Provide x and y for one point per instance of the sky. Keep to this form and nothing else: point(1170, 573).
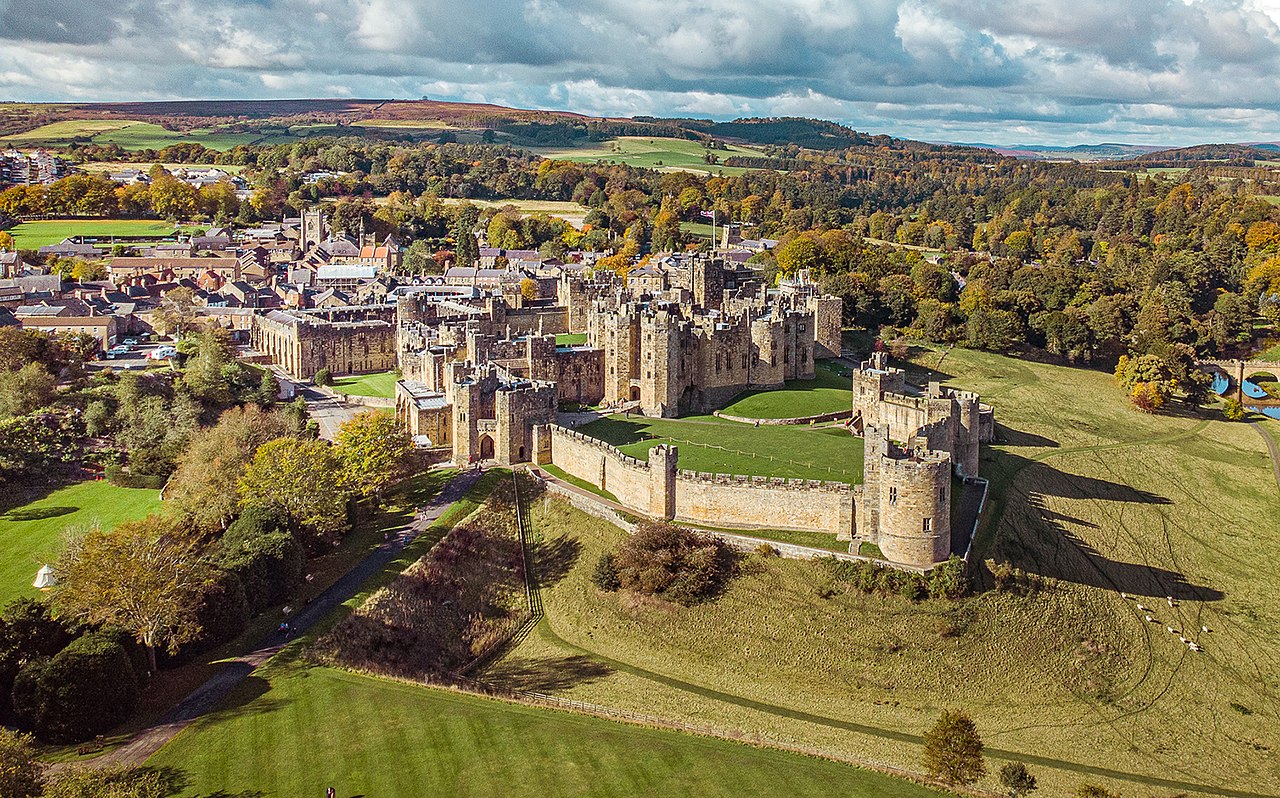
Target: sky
point(1168, 72)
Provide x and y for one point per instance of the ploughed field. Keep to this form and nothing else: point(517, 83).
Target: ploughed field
point(1089, 497)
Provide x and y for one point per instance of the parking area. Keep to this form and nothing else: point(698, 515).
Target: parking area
point(138, 356)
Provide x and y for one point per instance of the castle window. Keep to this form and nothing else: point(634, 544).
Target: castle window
point(928, 525)
point(942, 495)
point(893, 495)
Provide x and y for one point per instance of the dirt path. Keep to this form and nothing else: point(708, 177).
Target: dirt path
point(206, 696)
point(1271, 447)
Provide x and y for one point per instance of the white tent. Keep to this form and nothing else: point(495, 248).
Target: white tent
point(45, 578)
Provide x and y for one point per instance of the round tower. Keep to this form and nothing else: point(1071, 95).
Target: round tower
point(915, 508)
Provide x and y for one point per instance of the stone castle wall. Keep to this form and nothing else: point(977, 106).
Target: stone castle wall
point(708, 499)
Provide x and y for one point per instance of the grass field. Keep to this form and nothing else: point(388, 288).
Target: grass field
point(33, 235)
point(381, 384)
point(131, 135)
point(115, 166)
point(727, 447)
point(293, 729)
point(653, 153)
point(1272, 354)
point(571, 339)
point(31, 535)
point(571, 212)
point(1093, 498)
point(830, 391)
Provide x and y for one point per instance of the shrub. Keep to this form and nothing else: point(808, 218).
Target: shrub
point(223, 613)
point(1015, 777)
point(19, 770)
point(1233, 410)
point(124, 479)
point(1094, 791)
point(323, 377)
point(766, 551)
point(669, 561)
point(605, 576)
point(948, 581)
point(116, 781)
point(86, 689)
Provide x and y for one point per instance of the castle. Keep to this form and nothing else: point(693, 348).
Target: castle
point(484, 379)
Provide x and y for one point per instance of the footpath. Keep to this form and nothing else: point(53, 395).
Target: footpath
point(205, 697)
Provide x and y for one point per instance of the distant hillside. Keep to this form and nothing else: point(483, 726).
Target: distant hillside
point(1079, 152)
point(1211, 152)
point(814, 134)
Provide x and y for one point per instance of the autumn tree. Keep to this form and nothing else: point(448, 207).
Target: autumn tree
point(205, 484)
point(27, 389)
point(1015, 778)
point(177, 312)
point(373, 449)
point(301, 480)
point(145, 577)
point(953, 749)
point(6, 242)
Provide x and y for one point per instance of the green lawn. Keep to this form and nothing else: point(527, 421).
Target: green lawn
point(653, 153)
point(571, 339)
point(830, 391)
point(293, 731)
point(33, 235)
point(32, 535)
point(1272, 354)
point(381, 384)
point(727, 447)
point(131, 135)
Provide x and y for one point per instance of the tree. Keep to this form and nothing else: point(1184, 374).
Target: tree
point(25, 390)
point(373, 448)
point(669, 561)
point(1095, 791)
point(529, 289)
point(177, 312)
point(6, 242)
point(1015, 777)
point(1233, 410)
point(205, 482)
point(19, 769)
point(205, 372)
point(466, 249)
point(145, 577)
point(302, 481)
point(953, 749)
point(323, 377)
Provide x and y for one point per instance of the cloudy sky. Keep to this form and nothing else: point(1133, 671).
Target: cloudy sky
point(1000, 71)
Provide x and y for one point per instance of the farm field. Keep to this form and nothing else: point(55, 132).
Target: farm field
point(655, 153)
point(381, 384)
point(829, 392)
point(727, 447)
point(115, 166)
point(33, 235)
point(1092, 498)
point(31, 535)
point(129, 134)
point(571, 212)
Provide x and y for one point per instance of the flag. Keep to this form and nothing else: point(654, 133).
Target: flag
point(709, 214)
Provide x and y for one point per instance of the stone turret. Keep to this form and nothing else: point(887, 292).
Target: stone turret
point(663, 467)
point(906, 501)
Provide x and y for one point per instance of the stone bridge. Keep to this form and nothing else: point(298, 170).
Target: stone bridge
point(1237, 371)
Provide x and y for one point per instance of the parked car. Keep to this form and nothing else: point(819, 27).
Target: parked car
point(130, 342)
point(163, 353)
point(119, 350)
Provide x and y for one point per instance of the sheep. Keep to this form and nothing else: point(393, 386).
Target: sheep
point(1124, 595)
point(1144, 609)
point(1183, 639)
point(1172, 603)
point(1205, 629)
point(1171, 630)
point(1152, 620)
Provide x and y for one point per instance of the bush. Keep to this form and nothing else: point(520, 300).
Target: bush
point(323, 377)
point(116, 781)
point(223, 613)
point(19, 770)
point(1233, 410)
point(27, 632)
point(123, 479)
point(85, 690)
point(953, 749)
point(669, 561)
point(605, 575)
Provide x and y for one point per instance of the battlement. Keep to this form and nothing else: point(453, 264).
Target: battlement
point(596, 443)
point(774, 482)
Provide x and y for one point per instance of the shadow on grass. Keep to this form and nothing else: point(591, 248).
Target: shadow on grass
point(552, 560)
point(548, 675)
point(619, 432)
point(1014, 437)
point(37, 513)
point(1048, 543)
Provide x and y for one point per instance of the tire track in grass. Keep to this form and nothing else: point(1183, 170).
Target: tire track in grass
point(550, 636)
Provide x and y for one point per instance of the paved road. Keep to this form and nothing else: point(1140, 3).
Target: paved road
point(328, 412)
point(206, 697)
